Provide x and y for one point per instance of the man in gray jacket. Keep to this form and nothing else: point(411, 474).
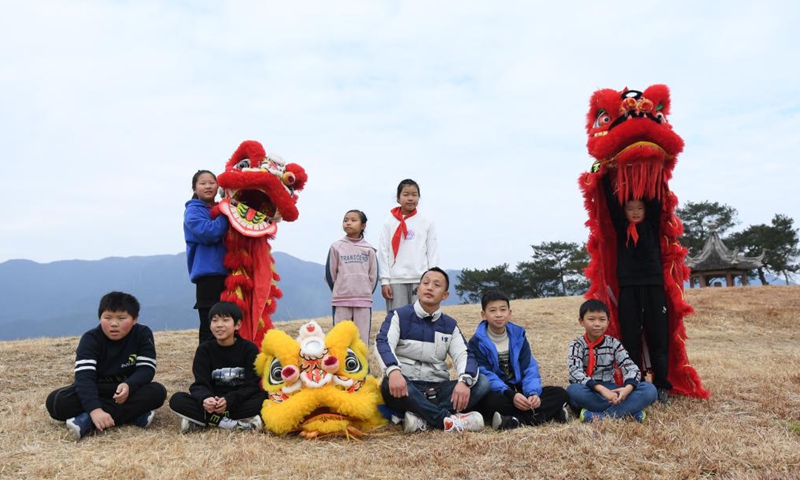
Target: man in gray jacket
point(413, 344)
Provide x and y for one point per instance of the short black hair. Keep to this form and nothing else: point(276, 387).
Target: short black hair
point(493, 296)
point(407, 183)
point(118, 302)
point(593, 305)
point(226, 309)
point(437, 269)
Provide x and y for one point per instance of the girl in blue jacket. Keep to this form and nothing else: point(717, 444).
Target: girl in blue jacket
point(205, 251)
point(504, 357)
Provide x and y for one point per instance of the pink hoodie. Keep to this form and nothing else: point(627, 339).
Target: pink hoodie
point(351, 273)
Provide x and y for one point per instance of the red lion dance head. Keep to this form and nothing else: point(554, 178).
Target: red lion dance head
point(260, 191)
point(635, 146)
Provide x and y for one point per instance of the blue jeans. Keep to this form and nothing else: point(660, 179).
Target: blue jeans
point(432, 410)
point(581, 396)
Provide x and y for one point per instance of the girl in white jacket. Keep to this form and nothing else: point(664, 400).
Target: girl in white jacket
point(407, 248)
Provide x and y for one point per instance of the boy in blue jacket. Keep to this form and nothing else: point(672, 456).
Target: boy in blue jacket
point(505, 358)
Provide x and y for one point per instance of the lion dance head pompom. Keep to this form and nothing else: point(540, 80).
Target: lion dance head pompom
point(318, 385)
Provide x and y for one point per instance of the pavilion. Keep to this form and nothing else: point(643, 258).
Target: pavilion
point(717, 261)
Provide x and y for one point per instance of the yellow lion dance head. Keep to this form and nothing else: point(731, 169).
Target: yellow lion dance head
point(318, 385)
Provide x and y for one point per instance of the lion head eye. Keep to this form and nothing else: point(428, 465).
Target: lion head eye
point(275, 369)
point(242, 164)
point(352, 364)
point(602, 119)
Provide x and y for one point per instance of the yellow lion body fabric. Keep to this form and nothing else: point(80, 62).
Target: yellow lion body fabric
point(318, 385)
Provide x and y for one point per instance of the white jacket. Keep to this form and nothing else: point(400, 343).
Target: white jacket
point(418, 252)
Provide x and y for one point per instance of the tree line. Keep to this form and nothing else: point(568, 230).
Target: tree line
point(556, 268)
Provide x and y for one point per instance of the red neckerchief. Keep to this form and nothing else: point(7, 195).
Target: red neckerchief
point(592, 359)
point(632, 234)
point(402, 230)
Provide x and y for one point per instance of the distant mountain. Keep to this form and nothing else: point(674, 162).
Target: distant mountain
point(60, 298)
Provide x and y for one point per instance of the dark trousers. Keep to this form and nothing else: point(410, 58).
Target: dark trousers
point(431, 400)
point(643, 308)
point(553, 398)
point(209, 290)
point(187, 406)
point(63, 404)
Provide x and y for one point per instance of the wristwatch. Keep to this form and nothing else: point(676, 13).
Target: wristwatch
point(467, 379)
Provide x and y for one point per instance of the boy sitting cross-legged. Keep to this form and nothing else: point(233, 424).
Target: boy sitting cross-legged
point(505, 359)
point(226, 391)
point(591, 360)
point(114, 368)
point(413, 345)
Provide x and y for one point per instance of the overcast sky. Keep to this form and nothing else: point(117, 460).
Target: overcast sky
point(108, 108)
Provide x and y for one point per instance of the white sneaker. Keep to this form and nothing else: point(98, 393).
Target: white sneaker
point(413, 423)
point(464, 422)
point(254, 423)
point(188, 425)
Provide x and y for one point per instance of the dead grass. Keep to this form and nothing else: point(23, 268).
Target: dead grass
point(744, 342)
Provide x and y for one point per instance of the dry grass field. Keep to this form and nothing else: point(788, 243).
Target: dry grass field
point(745, 342)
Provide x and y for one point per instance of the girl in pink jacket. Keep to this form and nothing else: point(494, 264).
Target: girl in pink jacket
point(352, 274)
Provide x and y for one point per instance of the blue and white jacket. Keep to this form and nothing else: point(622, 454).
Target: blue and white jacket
point(418, 344)
point(523, 363)
point(205, 251)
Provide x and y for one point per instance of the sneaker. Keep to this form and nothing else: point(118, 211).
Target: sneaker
point(461, 422)
point(144, 420)
point(413, 423)
point(639, 416)
point(564, 415)
point(253, 423)
point(188, 425)
point(589, 416)
point(663, 396)
point(80, 426)
point(504, 422)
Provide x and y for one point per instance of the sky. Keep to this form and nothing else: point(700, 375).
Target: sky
point(107, 108)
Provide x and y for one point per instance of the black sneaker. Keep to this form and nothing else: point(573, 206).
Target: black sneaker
point(144, 420)
point(80, 426)
point(663, 396)
point(504, 422)
point(564, 415)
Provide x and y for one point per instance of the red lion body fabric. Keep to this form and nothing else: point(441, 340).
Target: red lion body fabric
point(260, 191)
point(634, 145)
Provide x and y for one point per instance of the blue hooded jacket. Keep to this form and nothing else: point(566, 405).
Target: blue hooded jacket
point(204, 248)
point(523, 363)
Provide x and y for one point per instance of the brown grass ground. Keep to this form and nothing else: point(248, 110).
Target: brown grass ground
point(744, 342)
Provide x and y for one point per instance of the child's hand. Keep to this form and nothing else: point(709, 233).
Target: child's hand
point(121, 394)
point(623, 392)
point(521, 402)
point(535, 402)
point(101, 419)
point(397, 384)
point(386, 291)
point(222, 405)
point(612, 397)
point(209, 404)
